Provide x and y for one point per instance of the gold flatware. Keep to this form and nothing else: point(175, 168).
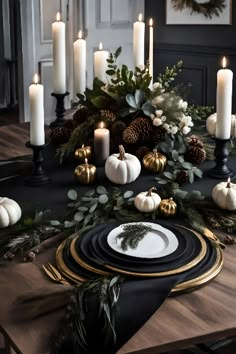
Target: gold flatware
point(54, 274)
point(211, 236)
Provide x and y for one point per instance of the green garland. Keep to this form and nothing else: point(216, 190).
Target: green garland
point(208, 9)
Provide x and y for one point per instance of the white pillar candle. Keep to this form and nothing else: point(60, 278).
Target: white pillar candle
point(100, 63)
point(37, 135)
point(80, 64)
point(59, 55)
point(151, 48)
point(101, 145)
point(224, 102)
point(138, 42)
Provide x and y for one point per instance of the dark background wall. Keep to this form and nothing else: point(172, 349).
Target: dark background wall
point(201, 47)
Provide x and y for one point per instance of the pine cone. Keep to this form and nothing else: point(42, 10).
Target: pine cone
point(182, 177)
point(139, 130)
point(195, 154)
point(141, 152)
point(195, 141)
point(69, 124)
point(60, 135)
point(117, 128)
point(80, 115)
point(158, 134)
point(108, 116)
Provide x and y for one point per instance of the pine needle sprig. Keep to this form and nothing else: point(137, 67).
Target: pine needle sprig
point(132, 235)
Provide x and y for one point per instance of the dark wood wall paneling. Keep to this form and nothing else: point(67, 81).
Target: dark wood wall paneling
point(201, 47)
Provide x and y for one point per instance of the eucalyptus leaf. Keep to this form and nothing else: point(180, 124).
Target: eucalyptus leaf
point(55, 222)
point(89, 193)
point(86, 199)
point(197, 172)
point(69, 224)
point(119, 201)
point(171, 163)
point(181, 159)
point(83, 208)
point(79, 216)
point(71, 205)
point(101, 190)
point(180, 194)
point(139, 97)
point(128, 194)
point(169, 175)
point(191, 176)
point(72, 194)
point(187, 165)
point(93, 208)
point(103, 199)
point(163, 182)
point(131, 101)
point(175, 155)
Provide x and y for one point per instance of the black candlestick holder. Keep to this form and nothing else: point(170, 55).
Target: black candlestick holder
point(60, 109)
point(221, 170)
point(38, 177)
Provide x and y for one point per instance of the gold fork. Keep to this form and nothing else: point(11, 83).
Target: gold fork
point(54, 274)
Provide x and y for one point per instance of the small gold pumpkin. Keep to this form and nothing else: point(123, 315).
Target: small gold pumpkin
point(84, 152)
point(154, 161)
point(85, 173)
point(168, 207)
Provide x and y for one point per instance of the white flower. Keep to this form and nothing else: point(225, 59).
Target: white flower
point(152, 116)
point(186, 120)
point(186, 130)
point(157, 100)
point(180, 103)
point(166, 126)
point(157, 122)
point(163, 118)
point(185, 105)
point(174, 130)
point(158, 113)
point(156, 85)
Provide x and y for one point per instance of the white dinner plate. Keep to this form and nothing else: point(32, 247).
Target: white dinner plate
point(157, 243)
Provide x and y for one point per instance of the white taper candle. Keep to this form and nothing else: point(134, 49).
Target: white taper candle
point(59, 55)
point(224, 102)
point(36, 91)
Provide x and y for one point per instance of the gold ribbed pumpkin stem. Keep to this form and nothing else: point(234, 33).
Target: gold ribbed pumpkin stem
point(122, 153)
point(155, 153)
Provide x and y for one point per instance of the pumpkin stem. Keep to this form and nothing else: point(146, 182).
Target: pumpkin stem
point(122, 153)
point(170, 199)
point(155, 152)
point(86, 161)
point(149, 193)
point(82, 146)
point(228, 185)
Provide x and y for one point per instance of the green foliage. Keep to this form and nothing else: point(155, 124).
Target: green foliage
point(132, 235)
point(166, 79)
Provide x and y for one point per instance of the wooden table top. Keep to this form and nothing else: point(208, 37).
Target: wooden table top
point(206, 314)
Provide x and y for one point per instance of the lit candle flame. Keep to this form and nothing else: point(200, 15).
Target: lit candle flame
point(151, 22)
point(82, 146)
point(224, 62)
point(101, 125)
point(58, 16)
point(100, 46)
point(36, 79)
point(140, 17)
point(80, 34)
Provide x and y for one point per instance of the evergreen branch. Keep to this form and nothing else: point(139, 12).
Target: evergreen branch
point(132, 235)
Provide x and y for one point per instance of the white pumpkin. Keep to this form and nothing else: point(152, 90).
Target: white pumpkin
point(147, 201)
point(10, 212)
point(122, 168)
point(211, 125)
point(224, 195)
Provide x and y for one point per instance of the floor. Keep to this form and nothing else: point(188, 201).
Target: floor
point(10, 135)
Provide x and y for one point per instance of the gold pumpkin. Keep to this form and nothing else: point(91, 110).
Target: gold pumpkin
point(168, 207)
point(85, 152)
point(85, 173)
point(154, 161)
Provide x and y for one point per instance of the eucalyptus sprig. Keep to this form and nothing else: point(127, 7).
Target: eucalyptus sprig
point(166, 79)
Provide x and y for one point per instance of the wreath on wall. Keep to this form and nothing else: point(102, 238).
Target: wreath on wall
point(208, 8)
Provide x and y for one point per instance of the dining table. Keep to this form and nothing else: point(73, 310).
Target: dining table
point(206, 314)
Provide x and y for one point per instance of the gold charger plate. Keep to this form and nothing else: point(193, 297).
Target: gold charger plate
point(185, 286)
point(174, 271)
